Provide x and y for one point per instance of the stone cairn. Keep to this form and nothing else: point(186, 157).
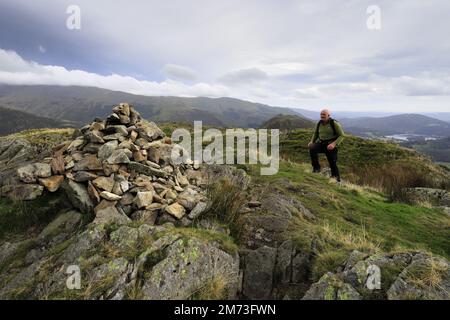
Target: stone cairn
point(121, 169)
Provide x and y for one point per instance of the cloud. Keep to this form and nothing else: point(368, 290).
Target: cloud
point(245, 76)
point(304, 53)
point(176, 72)
point(15, 70)
point(42, 49)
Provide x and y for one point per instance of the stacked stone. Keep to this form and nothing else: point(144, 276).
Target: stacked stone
point(121, 169)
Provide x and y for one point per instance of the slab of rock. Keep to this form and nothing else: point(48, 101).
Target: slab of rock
point(198, 210)
point(58, 165)
point(84, 176)
point(106, 212)
point(88, 162)
point(78, 196)
point(330, 287)
point(147, 170)
point(104, 183)
point(23, 192)
point(176, 210)
point(31, 172)
point(118, 157)
point(107, 149)
point(259, 267)
point(93, 193)
point(143, 199)
point(187, 266)
point(149, 131)
point(110, 196)
point(52, 183)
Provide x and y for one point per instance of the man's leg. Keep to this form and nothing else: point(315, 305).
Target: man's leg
point(314, 153)
point(332, 157)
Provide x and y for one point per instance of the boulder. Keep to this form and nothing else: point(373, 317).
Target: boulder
point(110, 196)
point(185, 268)
point(88, 162)
point(330, 287)
point(23, 192)
point(118, 157)
point(104, 183)
point(78, 196)
point(147, 170)
point(176, 210)
point(30, 173)
point(143, 199)
point(259, 267)
point(52, 183)
point(106, 212)
point(107, 149)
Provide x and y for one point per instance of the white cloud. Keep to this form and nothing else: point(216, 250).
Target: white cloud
point(182, 73)
point(301, 54)
point(15, 70)
point(42, 49)
point(245, 76)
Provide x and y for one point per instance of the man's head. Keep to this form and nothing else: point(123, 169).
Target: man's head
point(325, 115)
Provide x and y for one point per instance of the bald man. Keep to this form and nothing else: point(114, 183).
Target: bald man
point(328, 135)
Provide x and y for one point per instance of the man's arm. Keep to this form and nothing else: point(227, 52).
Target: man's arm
point(340, 133)
point(315, 135)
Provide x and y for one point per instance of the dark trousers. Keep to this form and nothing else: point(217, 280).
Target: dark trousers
point(332, 157)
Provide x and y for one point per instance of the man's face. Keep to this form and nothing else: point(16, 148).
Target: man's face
point(324, 116)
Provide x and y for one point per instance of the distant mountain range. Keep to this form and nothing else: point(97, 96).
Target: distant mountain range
point(13, 121)
point(314, 115)
point(288, 122)
point(398, 124)
point(62, 106)
point(83, 104)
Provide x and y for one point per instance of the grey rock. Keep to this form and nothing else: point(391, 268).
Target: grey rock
point(259, 267)
point(24, 192)
point(199, 208)
point(189, 264)
point(146, 170)
point(330, 287)
point(31, 172)
point(78, 196)
point(107, 149)
point(118, 157)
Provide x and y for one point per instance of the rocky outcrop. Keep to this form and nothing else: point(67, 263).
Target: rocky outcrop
point(402, 276)
point(129, 262)
point(436, 197)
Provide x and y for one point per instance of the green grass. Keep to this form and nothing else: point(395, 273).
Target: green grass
point(356, 210)
point(18, 216)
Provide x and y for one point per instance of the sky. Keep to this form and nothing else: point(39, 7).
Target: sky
point(292, 53)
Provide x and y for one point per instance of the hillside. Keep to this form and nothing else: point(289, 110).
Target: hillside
point(14, 120)
point(438, 150)
point(398, 124)
point(292, 235)
point(288, 122)
point(82, 104)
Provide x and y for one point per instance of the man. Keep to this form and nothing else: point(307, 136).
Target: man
point(326, 139)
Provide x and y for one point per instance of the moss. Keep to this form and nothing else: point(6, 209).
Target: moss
point(17, 259)
point(328, 261)
point(225, 242)
point(18, 216)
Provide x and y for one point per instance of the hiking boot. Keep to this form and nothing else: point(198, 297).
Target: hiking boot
point(316, 171)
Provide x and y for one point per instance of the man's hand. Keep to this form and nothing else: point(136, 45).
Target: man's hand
point(331, 146)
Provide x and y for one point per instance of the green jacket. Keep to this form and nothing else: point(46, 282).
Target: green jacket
point(326, 133)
